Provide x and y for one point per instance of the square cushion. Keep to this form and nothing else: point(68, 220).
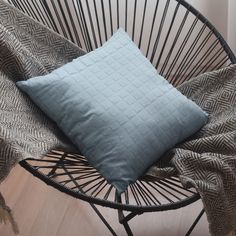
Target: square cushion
point(114, 106)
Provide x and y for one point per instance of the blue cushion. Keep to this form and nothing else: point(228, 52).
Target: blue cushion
point(115, 107)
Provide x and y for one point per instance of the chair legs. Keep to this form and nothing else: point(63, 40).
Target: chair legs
point(127, 229)
point(195, 222)
point(124, 221)
point(103, 219)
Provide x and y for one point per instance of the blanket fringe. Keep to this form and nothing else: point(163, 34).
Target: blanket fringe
point(7, 216)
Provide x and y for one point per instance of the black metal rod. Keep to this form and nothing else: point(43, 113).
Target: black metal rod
point(108, 192)
point(75, 31)
point(185, 60)
point(180, 51)
point(134, 18)
point(142, 24)
point(102, 187)
point(167, 35)
point(103, 219)
point(66, 21)
point(41, 15)
point(193, 59)
point(128, 217)
point(220, 63)
point(151, 195)
point(142, 194)
point(104, 19)
point(212, 28)
point(85, 26)
point(127, 196)
point(47, 16)
point(135, 195)
point(195, 223)
point(152, 27)
point(81, 26)
point(174, 189)
point(173, 44)
point(118, 14)
point(91, 24)
point(83, 185)
point(97, 21)
point(124, 223)
point(178, 186)
point(163, 18)
point(56, 13)
point(16, 4)
point(212, 61)
point(155, 185)
point(29, 10)
point(111, 18)
point(95, 187)
point(126, 14)
point(203, 59)
point(49, 13)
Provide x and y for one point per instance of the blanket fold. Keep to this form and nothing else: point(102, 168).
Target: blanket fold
point(206, 161)
point(27, 49)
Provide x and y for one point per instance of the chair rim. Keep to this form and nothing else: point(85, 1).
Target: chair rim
point(116, 205)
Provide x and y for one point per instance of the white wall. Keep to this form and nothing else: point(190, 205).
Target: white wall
point(231, 24)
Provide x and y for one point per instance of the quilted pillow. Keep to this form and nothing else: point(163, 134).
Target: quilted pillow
point(114, 106)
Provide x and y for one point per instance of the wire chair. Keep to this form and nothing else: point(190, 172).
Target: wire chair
point(181, 44)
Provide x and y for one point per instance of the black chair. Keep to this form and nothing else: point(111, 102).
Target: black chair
point(180, 43)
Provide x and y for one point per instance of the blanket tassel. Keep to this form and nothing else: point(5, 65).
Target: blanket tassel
point(6, 215)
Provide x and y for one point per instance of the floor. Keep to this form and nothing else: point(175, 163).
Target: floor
point(41, 210)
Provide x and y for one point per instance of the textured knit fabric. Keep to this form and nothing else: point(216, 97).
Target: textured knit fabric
point(115, 107)
point(206, 161)
point(27, 49)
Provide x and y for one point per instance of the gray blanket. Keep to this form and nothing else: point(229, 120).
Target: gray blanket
point(27, 49)
point(206, 161)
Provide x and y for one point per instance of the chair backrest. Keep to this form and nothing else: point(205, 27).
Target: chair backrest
point(177, 39)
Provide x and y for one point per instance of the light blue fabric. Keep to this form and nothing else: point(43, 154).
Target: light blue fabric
point(116, 109)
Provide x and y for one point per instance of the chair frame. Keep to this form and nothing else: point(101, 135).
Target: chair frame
point(59, 169)
point(70, 172)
